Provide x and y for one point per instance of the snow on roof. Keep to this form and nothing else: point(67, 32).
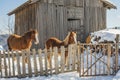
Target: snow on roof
point(112, 31)
point(109, 4)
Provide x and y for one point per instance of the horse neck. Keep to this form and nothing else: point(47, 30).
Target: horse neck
point(26, 39)
point(65, 41)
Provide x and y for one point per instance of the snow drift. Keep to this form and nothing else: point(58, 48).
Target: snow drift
point(105, 35)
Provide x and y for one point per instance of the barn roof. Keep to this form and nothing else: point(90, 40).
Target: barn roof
point(107, 3)
point(22, 6)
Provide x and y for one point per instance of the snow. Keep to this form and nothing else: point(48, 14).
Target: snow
point(3, 41)
point(1, 48)
point(106, 34)
point(64, 76)
point(117, 77)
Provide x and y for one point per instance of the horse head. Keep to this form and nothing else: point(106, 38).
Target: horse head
point(33, 35)
point(72, 38)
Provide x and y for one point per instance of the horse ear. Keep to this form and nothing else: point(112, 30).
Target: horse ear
point(75, 32)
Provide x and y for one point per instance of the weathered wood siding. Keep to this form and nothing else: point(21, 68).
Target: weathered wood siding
point(95, 16)
point(54, 18)
point(25, 19)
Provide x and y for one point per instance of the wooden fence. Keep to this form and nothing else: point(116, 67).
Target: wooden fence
point(83, 58)
point(97, 60)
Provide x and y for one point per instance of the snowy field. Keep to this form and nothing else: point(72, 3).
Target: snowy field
point(65, 76)
point(108, 34)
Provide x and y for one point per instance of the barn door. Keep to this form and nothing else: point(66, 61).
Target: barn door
point(76, 25)
point(75, 21)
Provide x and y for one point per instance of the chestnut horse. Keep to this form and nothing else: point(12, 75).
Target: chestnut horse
point(54, 42)
point(16, 42)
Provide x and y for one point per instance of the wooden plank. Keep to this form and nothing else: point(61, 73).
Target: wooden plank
point(108, 59)
point(9, 64)
point(23, 64)
point(56, 59)
point(5, 64)
point(40, 61)
point(95, 60)
point(104, 52)
point(87, 60)
point(68, 60)
point(82, 61)
point(50, 54)
point(101, 60)
point(35, 63)
point(62, 49)
point(46, 65)
point(13, 64)
point(29, 64)
point(73, 56)
point(116, 56)
point(79, 59)
point(18, 64)
point(91, 61)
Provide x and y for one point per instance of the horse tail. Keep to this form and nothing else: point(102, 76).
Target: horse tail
point(8, 44)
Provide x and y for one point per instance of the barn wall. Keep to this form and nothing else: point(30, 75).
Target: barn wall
point(52, 22)
point(95, 16)
point(25, 19)
point(54, 18)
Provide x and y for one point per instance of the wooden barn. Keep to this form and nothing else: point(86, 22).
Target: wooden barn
point(57, 17)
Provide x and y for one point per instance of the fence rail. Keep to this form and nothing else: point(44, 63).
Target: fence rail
point(86, 59)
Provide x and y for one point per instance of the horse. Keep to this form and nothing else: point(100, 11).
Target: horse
point(88, 39)
point(71, 38)
point(17, 42)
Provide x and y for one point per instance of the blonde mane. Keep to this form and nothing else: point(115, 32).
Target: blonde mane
point(65, 41)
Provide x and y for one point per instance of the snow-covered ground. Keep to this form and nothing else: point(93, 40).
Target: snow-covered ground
point(117, 77)
point(64, 76)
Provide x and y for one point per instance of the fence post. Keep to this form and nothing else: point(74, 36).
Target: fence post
point(62, 49)
point(29, 64)
point(69, 56)
point(116, 56)
point(46, 65)
point(50, 64)
point(18, 64)
point(108, 59)
point(73, 56)
point(40, 61)
point(5, 64)
point(56, 59)
point(79, 59)
point(13, 64)
point(35, 63)
point(23, 64)
point(9, 63)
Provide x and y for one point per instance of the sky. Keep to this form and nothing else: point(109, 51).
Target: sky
point(113, 15)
